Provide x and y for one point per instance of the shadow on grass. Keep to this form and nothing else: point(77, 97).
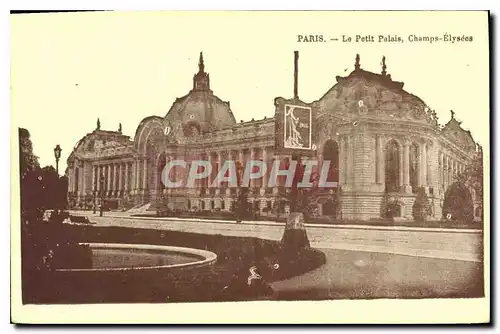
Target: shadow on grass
point(235, 256)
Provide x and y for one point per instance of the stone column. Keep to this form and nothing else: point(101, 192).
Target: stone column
point(380, 163)
point(448, 171)
point(320, 159)
point(445, 172)
point(207, 181)
point(346, 159)
point(113, 176)
point(85, 171)
point(79, 180)
point(136, 175)
point(100, 175)
point(72, 174)
point(93, 179)
point(229, 158)
point(145, 173)
point(401, 169)
point(450, 181)
point(350, 160)
point(406, 166)
point(341, 161)
point(109, 179)
point(423, 162)
point(218, 163)
point(126, 189)
point(252, 157)
point(266, 175)
point(120, 178)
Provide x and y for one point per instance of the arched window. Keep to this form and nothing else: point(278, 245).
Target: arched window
point(414, 168)
point(331, 153)
point(392, 166)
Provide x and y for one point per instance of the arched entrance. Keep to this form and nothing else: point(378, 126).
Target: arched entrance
point(331, 154)
point(392, 152)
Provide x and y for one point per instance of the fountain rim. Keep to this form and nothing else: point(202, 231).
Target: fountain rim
point(208, 257)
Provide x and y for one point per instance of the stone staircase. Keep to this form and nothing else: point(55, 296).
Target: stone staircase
point(141, 208)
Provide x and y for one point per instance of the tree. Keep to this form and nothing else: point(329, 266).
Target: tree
point(473, 174)
point(28, 162)
point(30, 186)
point(471, 178)
point(458, 205)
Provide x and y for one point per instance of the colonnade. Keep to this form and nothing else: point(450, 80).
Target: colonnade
point(405, 160)
point(449, 168)
point(113, 177)
point(217, 160)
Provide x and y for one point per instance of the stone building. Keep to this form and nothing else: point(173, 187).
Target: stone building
point(385, 143)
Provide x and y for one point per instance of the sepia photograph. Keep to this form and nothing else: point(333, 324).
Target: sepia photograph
point(250, 161)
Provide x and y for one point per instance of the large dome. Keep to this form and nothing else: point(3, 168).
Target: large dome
point(200, 110)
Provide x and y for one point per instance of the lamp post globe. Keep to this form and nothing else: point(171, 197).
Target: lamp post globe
point(57, 155)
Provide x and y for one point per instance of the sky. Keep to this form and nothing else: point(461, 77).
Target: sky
point(69, 69)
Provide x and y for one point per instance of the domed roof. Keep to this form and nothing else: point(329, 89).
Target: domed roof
point(200, 107)
point(364, 94)
point(101, 143)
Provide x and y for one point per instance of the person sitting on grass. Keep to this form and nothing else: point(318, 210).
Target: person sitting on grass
point(250, 280)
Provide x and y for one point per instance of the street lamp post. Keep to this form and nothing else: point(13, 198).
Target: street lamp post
point(57, 155)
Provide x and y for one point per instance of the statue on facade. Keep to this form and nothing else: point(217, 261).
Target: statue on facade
point(98, 124)
point(294, 138)
point(120, 128)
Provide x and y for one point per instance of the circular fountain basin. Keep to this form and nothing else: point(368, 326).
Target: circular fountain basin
point(138, 257)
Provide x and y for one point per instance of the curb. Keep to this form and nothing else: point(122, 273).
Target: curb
point(332, 226)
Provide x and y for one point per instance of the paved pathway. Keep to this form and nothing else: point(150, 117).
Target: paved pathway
point(422, 242)
point(349, 274)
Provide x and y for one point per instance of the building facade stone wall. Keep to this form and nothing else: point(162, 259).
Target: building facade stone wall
point(366, 117)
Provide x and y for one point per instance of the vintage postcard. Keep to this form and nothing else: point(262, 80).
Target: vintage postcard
point(250, 167)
